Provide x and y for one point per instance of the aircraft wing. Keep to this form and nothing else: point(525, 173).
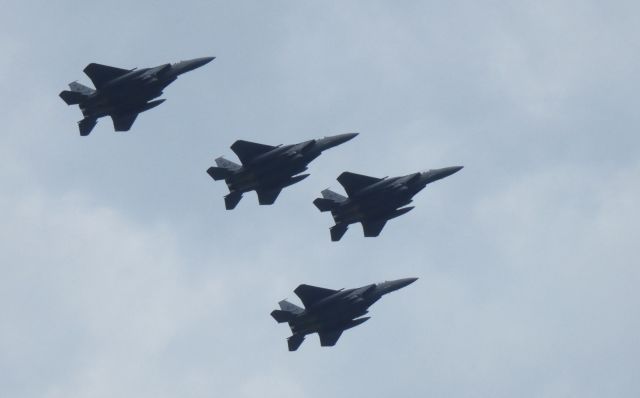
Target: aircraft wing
point(267, 197)
point(102, 74)
point(247, 151)
point(328, 339)
point(373, 228)
point(352, 182)
point(123, 122)
point(312, 294)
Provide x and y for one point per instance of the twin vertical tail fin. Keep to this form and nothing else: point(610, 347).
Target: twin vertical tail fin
point(329, 200)
point(324, 204)
point(290, 307)
point(77, 93)
point(334, 196)
point(75, 96)
point(71, 97)
point(282, 316)
point(82, 89)
point(224, 169)
point(287, 312)
point(227, 164)
point(219, 173)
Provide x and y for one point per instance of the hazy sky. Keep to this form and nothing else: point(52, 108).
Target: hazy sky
point(122, 275)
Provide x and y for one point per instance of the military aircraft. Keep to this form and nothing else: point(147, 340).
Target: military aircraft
point(374, 201)
point(268, 169)
point(330, 312)
point(123, 93)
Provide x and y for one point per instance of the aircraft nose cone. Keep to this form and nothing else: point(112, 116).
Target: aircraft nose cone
point(400, 283)
point(447, 171)
point(198, 62)
point(334, 140)
point(438, 174)
point(187, 66)
point(342, 138)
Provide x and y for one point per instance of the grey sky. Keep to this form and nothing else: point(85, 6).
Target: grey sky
point(123, 275)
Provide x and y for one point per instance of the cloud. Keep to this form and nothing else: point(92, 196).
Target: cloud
point(100, 294)
point(122, 274)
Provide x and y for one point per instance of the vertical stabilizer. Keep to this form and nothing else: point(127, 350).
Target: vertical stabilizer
point(81, 89)
point(334, 196)
point(290, 307)
point(227, 164)
point(329, 200)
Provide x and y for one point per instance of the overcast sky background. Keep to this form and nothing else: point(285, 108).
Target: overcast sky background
point(122, 275)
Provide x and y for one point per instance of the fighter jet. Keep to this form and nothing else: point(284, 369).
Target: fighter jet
point(268, 169)
point(330, 312)
point(374, 201)
point(123, 93)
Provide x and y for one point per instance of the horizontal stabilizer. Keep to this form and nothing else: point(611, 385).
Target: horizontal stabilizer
point(232, 200)
point(329, 339)
point(373, 228)
point(219, 173)
point(268, 197)
point(337, 231)
point(123, 122)
point(294, 341)
point(72, 97)
point(282, 316)
point(86, 125)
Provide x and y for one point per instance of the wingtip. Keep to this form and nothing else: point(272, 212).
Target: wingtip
point(89, 66)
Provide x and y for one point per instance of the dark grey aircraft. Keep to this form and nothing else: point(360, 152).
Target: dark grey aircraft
point(123, 93)
point(374, 201)
point(268, 169)
point(330, 312)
